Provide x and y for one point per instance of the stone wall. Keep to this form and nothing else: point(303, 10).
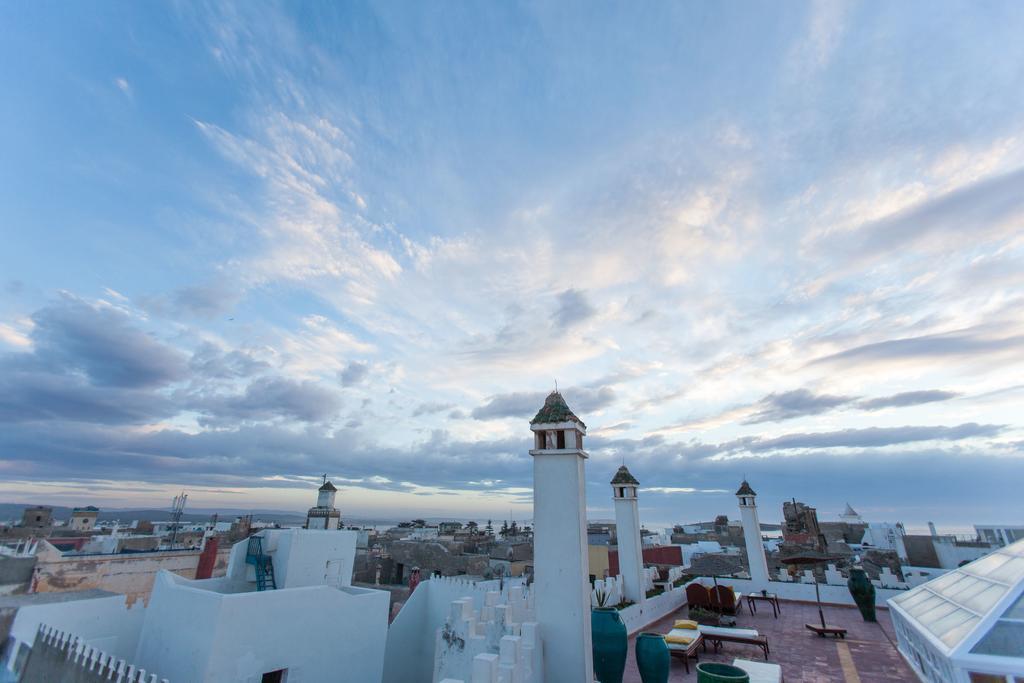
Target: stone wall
point(130, 574)
point(433, 557)
point(15, 574)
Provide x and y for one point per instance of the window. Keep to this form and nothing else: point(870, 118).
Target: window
point(561, 439)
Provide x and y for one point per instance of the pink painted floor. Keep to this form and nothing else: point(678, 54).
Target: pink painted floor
point(869, 650)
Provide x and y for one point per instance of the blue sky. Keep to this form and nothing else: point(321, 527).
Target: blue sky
point(247, 244)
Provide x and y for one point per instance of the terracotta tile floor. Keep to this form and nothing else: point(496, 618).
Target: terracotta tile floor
point(869, 650)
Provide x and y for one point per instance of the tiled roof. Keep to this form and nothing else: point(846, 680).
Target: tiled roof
point(745, 489)
point(328, 486)
point(555, 410)
point(624, 477)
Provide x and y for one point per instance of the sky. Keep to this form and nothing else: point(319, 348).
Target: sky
point(247, 244)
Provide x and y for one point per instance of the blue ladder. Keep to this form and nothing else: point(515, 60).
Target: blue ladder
point(263, 564)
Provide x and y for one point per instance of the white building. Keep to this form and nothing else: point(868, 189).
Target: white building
point(756, 560)
point(850, 516)
point(84, 519)
point(285, 610)
point(627, 532)
point(561, 570)
point(967, 626)
point(999, 535)
point(324, 515)
point(885, 536)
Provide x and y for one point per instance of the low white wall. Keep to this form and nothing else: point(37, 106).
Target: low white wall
point(836, 595)
point(637, 617)
point(104, 622)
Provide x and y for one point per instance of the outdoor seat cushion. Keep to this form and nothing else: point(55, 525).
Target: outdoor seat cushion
point(760, 672)
point(679, 634)
point(722, 631)
point(686, 623)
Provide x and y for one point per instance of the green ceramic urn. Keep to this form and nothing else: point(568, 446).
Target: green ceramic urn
point(652, 658)
point(863, 592)
point(610, 644)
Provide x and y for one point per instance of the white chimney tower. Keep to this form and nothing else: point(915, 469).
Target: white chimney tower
point(752, 536)
point(627, 529)
point(561, 564)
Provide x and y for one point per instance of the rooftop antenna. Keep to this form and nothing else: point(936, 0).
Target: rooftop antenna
point(325, 479)
point(556, 385)
point(177, 508)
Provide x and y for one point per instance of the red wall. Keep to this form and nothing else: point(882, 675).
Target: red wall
point(207, 559)
point(659, 554)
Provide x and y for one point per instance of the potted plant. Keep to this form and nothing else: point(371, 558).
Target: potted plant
point(704, 616)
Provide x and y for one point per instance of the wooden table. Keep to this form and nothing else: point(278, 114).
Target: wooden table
point(771, 598)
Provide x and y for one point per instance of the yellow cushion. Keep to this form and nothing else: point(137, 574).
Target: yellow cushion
point(678, 640)
point(685, 623)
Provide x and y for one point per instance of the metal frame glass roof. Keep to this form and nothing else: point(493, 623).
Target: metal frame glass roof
point(974, 610)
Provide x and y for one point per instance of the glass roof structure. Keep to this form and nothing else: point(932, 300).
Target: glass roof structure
point(977, 609)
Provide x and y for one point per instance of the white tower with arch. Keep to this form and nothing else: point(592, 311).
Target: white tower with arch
point(324, 515)
point(627, 530)
point(561, 568)
point(752, 536)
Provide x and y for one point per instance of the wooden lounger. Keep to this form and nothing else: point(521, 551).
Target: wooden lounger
point(823, 631)
point(758, 672)
point(686, 651)
point(718, 635)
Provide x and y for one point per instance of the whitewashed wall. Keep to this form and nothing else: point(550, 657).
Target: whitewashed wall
point(638, 617)
point(103, 622)
point(411, 637)
point(315, 632)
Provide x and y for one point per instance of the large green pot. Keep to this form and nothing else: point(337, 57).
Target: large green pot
point(863, 592)
point(610, 642)
point(713, 672)
point(652, 658)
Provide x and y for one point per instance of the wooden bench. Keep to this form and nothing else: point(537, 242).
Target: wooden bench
point(717, 635)
point(823, 631)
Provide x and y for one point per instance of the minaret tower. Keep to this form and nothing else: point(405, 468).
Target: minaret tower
point(324, 515)
point(627, 530)
point(752, 536)
point(561, 569)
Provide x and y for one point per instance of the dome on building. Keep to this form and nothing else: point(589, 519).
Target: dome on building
point(745, 490)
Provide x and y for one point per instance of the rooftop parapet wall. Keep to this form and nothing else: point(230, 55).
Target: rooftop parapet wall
point(62, 656)
point(411, 637)
point(320, 629)
point(497, 643)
